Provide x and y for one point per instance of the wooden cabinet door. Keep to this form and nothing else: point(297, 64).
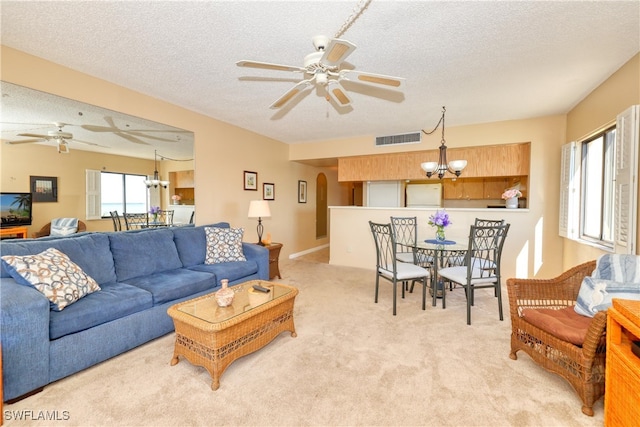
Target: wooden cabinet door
point(184, 179)
point(473, 189)
point(494, 187)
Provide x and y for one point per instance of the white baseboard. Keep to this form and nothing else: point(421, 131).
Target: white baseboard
point(308, 251)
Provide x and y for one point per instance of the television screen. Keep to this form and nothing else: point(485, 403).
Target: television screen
point(15, 209)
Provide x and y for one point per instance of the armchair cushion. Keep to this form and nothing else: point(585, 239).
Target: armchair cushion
point(564, 323)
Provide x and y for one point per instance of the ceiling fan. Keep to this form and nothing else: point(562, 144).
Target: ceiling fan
point(131, 135)
point(322, 68)
point(61, 137)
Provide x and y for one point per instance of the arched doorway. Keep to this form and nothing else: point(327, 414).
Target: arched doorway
point(321, 206)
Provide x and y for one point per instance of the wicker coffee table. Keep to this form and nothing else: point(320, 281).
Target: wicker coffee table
point(213, 337)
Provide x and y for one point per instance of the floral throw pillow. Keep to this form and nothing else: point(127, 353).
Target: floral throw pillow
point(53, 274)
point(224, 245)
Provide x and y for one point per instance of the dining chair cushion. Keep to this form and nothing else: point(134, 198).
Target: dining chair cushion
point(405, 257)
point(404, 271)
point(224, 245)
point(458, 274)
point(564, 324)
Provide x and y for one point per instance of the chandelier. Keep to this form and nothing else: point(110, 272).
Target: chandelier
point(156, 176)
point(441, 166)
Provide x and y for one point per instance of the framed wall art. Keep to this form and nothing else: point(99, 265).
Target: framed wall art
point(44, 188)
point(268, 191)
point(251, 180)
point(302, 191)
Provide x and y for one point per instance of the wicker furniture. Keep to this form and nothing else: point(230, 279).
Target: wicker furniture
point(622, 395)
point(274, 260)
point(213, 337)
point(46, 229)
point(583, 367)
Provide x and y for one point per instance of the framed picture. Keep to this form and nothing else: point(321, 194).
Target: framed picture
point(44, 188)
point(268, 191)
point(251, 180)
point(302, 191)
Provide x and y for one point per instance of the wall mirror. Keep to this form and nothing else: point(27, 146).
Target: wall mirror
point(33, 117)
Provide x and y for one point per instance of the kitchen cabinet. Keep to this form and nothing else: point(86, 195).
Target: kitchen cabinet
point(482, 188)
point(466, 189)
point(184, 179)
point(505, 160)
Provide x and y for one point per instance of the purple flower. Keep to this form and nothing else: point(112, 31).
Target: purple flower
point(439, 219)
point(155, 210)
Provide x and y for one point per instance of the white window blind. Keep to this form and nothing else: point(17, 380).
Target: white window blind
point(93, 194)
point(626, 180)
point(569, 191)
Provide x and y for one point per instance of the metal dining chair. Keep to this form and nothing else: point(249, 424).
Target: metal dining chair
point(481, 267)
point(406, 235)
point(135, 221)
point(389, 268)
point(117, 225)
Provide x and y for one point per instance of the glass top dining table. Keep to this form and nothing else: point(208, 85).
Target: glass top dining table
point(434, 255)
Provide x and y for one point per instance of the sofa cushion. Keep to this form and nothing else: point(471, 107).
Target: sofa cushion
point(564, 324)
point(192, 243)
point(91, 252)
point(229, 270)
point(53, 274)
point(63, 226)
point(143, 253)
point(114, 301)
point(174, 284)
point(224, 245)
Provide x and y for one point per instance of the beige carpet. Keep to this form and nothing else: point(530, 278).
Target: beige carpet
point(352, 363)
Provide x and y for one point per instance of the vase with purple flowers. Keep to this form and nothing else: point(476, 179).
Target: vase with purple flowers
point(440, 220)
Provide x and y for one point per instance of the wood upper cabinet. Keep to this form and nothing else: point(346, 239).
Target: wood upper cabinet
point(504, 160)
point(184, 179)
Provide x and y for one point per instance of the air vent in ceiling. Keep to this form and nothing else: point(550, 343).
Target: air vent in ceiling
point(406, 138)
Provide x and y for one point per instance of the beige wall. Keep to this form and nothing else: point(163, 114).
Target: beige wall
point(222, 152)
point(596, 111)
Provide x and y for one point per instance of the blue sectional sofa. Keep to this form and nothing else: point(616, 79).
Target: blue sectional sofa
point(141, 274)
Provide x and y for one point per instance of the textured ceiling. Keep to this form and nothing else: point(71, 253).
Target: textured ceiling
point(486, 61)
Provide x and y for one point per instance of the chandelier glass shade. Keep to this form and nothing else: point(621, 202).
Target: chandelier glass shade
point(441, 167)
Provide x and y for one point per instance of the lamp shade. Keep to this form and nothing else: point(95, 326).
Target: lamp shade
point(259, 209)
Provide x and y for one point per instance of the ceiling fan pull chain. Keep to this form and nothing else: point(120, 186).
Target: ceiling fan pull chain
point(357, 11)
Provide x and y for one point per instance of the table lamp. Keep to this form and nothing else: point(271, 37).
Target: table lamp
point(259, 209)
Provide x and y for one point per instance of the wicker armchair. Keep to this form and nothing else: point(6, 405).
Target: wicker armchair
point(46, 229)
point(583, 367)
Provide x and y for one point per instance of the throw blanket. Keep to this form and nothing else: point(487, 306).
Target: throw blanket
point(615, 276)
point(63, 226)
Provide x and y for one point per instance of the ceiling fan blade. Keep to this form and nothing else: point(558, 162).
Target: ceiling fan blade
point(34, 135)
point(378, 80)
point(131, 138)
point(336, 52)
point(89, 143)
point(25, 141)
point(94, 128)
point(291, 93)
point(268, 66)
point(144, 135)
point(337, 93)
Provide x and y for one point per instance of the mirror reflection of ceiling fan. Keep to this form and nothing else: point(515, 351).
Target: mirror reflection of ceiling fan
point(131, 135)
point(59, 136)
point(322, 68)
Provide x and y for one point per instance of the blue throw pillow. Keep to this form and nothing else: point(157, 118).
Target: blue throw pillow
point(596, 294)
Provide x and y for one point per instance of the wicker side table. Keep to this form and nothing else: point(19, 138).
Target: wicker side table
point(274, 257)
point(622, 387)
point(213, 337)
